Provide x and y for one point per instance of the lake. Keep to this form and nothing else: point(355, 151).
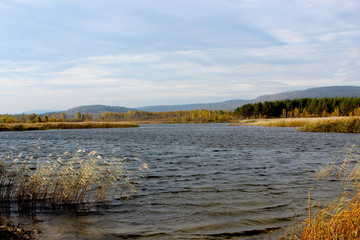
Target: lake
point(206, 181)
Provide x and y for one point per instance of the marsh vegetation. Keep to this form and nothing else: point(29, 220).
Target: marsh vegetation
point(328, 124)
point(63, 125)
point(78, 179)
point(340, 219)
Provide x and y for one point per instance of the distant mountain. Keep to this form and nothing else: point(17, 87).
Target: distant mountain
point(39, 112)
point(96, 110)
point(227, 105)
point(320, 92)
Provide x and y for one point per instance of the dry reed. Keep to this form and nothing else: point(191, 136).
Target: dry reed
point(341, 219)
point(63, 125)
point(326, 124)
point(337, 125)
point(71, 179)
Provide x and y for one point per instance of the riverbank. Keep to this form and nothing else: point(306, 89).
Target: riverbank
point(326, 124)
point(63, 125)
point(12, 232)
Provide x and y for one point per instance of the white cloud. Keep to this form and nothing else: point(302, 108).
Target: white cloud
point(139, 52)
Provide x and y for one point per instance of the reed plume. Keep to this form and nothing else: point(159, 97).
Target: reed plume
point(69, 179)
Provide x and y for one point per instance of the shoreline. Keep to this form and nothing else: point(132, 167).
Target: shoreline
point(8, 127)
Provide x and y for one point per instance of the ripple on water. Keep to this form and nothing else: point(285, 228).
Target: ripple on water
point(206, 181)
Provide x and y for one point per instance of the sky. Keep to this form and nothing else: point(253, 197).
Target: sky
point(59, 54)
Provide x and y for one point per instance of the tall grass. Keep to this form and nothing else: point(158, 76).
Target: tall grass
point(69, 179)
point(326, 124)
point(279, 122)
point(63, 125)
point(341, 219)
point(338, 125)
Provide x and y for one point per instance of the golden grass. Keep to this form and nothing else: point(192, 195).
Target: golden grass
point(328, 124)
point(63, 125)
point(341, 219)
point(338, 125)
point(71, 179)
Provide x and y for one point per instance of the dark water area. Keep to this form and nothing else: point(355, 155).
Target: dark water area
point(206, 181)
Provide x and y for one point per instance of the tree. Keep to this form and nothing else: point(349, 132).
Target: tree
point(63, 116)
point(31, 117)
point(38, 119)
point(78, 116)
point(245, 111)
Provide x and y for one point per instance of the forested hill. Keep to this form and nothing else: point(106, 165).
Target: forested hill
point(320, 92)
point(96, 110)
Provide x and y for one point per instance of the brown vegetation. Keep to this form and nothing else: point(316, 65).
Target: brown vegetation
point(63, 125)
point(326, 124)
point(339, 220)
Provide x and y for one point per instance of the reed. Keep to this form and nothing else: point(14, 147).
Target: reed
point(282, 122)
point(63, 125)
point(71, 179)
point(326, 124)
point(339, 220)
point(337, 125)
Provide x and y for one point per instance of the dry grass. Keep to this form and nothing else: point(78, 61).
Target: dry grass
point(283, 122)
point(71, 179)
point(341, 219)
point(338, 125)
point(328, 124)
point(63, 125)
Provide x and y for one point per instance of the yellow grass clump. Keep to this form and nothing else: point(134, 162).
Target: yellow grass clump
point(282, 122)
point(336, 124)
point(341, 219)
point(326, 124)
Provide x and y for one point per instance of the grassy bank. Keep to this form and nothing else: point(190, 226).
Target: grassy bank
point(329, 124)
point(63, 125)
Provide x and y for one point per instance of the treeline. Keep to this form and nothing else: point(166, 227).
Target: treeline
point(201, 116)
point(305, 107)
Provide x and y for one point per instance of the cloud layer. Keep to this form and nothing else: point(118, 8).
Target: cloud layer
point(61, 54)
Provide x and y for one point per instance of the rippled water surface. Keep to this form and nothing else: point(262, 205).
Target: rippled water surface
point(206, 181)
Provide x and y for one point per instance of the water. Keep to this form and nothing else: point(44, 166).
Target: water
point(206, 181)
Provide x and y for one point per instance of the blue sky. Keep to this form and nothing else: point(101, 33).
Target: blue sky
point(58, 54)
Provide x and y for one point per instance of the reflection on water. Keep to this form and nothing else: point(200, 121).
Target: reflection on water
point(206, 181)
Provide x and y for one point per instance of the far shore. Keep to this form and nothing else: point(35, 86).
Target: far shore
point(314, 124)
point(63, 125)
point(4, 127)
